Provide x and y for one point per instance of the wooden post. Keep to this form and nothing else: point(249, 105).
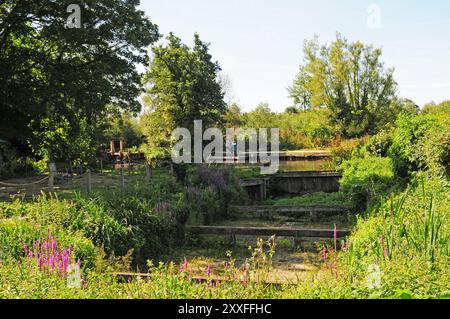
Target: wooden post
point(51, 175)
point(89, 184)
point(261, 190)
point(122, 177)
point(101, 164)
point(122, 145)
point(51, 180)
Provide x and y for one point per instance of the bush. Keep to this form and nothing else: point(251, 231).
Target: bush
point(212, 191)
point(401, 250)
point(145, 218)
point(343, 150)
point(421, 142)
point(379, 144)
point(366, 178)
point(15, 232)
point(408, 237)
point(154, 214)
point(11, 164)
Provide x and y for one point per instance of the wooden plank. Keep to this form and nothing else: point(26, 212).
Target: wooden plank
point(199, 279)
point(251, 182)
point(311, 174)
point(267, 231)
point(290, 209)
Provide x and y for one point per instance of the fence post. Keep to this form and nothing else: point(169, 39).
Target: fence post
point(51, 175)
point(122, 177)
point(89, 181)
point(51, 180)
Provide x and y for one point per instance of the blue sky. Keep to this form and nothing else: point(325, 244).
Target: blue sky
point(259, 43)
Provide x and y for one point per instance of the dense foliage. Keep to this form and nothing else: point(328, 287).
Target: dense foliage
point(183, 86)
point(57, 81)
point(350, 80)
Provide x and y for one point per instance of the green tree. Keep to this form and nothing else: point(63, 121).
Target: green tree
point(55, 80)
point(433, 108)
point(121, 124)
point(261, 117)
point(350, 80)
point(183, 86)
point(233, 116)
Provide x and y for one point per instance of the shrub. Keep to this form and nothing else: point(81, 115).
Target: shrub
point(15, 232)
point(366, 178)
point(408, 237)
point(343, 150)
point(146, 218)
point(379, 144)
point(421, 142)
point(85, 215)
point(401, 250)
point(12, 164)
point(211, 192)
point(155, 214)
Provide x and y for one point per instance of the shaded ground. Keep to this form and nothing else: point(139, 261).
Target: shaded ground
point(289, 264)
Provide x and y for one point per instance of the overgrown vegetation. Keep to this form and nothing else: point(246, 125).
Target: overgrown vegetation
point(337, 198)
point(66, 93)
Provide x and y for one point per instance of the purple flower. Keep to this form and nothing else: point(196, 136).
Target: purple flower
point(324, 254)
point(53, 259)
point(41, 262)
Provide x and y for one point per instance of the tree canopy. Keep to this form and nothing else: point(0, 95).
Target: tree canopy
point(350, 80)
point(57, 81)
point(183, 86)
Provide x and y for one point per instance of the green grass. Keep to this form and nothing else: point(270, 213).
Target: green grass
point(312, 199)
point(401, 249)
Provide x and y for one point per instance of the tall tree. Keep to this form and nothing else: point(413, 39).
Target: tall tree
point(183, 86)
point(233, 116)
point(58, 80)
point(261, 117)
point(349, 79)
